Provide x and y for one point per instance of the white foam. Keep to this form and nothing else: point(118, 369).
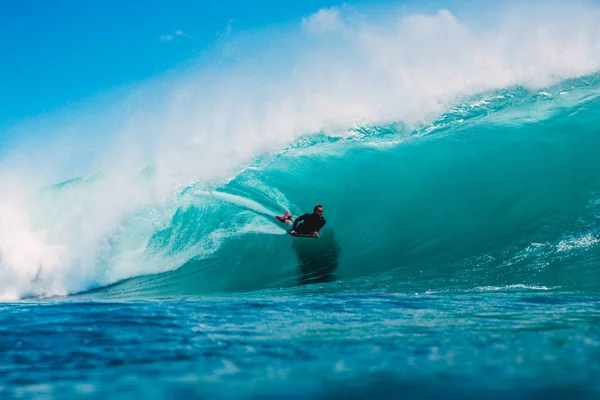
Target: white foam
point(239, 201)
point(514, 287)
point(581, 242)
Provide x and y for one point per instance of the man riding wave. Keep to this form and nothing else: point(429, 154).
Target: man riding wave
point(306, 224)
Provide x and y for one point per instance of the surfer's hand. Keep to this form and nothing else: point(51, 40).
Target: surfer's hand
point(316, 234)
point(292, 232)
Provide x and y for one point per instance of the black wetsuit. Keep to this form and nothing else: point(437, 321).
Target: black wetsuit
point(307, 224)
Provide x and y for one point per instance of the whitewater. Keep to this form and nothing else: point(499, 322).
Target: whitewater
point(457, 163)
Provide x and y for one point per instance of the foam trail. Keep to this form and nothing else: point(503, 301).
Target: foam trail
point(239, 201)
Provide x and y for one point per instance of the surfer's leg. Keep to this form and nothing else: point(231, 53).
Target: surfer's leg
point(285, 217)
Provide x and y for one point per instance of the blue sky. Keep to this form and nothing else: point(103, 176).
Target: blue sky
point(58, 53)
point(55, 53)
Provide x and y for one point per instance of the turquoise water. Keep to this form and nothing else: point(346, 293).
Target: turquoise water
point(306, 344)
point(500, 191)
point(460, 259)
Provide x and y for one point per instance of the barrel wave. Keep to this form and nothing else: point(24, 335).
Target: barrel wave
point(500, 191)
point(455, 153)
point(441, 167)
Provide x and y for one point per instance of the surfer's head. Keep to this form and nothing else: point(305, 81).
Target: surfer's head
point(318, 210)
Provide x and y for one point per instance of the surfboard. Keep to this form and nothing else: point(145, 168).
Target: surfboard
point(303, 235)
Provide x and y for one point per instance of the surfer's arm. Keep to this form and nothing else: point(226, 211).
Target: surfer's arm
point(299, 219)
point(323, 222)
point(319, 227)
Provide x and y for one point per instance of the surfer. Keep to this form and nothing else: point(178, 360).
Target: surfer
point(306, 224)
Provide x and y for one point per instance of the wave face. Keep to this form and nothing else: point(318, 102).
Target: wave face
point(501, 189)
point(485, 197)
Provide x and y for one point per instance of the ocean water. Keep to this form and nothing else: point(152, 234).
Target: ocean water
point(513, 342)
point(460, 259)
